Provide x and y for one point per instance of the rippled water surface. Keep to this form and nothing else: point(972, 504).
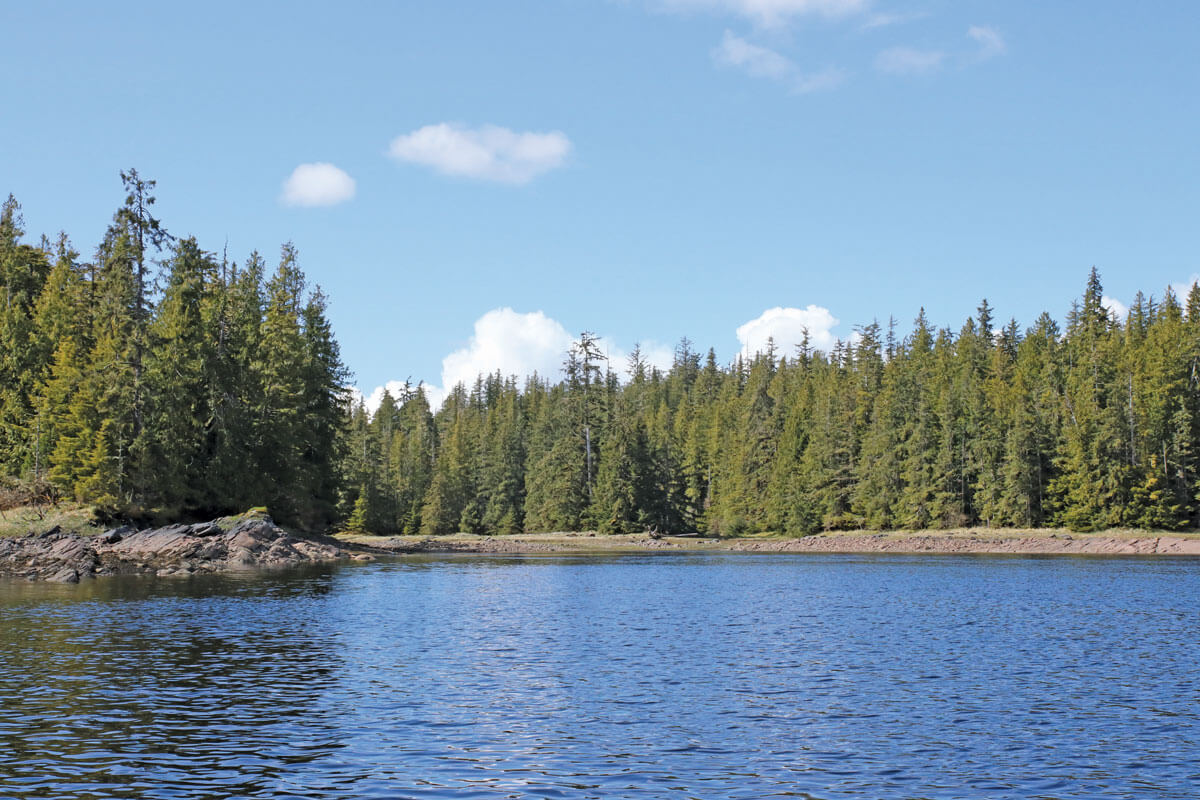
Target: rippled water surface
point(706, 676)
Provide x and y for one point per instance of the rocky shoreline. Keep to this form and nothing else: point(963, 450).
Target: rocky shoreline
point(206, 547)
point(257, 543)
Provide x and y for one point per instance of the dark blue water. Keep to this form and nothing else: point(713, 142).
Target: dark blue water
point(703, 676)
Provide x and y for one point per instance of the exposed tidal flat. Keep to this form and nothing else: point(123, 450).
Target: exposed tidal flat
point(253, 541)
point(663, 674)
point(963, 541)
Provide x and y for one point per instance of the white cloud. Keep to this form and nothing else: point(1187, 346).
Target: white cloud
point(762, 62)
point(396, 389)
point(786, 326)
point(773, 13)
point(520, 344)
point(1115, 307)
point(909, 61)
point(883, 19)
point(514, 343)
point(318, 184)
point(991, 43)
point(829, 78)
point(489, 153)
point(759, 62)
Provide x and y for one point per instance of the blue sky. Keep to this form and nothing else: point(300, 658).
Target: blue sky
point(645, 169)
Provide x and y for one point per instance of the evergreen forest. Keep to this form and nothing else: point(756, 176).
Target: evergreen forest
point(158, 379)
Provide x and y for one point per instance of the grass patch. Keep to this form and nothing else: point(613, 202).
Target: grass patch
point(39, 518)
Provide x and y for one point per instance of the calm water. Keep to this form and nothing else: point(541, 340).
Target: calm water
point(707, 676)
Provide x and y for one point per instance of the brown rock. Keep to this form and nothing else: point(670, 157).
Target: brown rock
point(172, 550)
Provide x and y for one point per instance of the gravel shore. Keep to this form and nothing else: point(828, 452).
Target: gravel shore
point(1048, 542)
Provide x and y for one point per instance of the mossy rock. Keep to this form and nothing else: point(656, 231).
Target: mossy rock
point(255, 513)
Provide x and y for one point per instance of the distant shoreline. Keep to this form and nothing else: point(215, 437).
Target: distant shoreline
point(986, 541)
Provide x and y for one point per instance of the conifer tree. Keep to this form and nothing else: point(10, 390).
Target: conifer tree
point(103, 405)
point(502, 473)
point(451, 489)
point(413, 453)
point(280, 363)
point(172, 444)
point(825, 476)
point(236, 476)
point(1094, 463)
point(361, 478)
point(324, 404)
point(143, 232)
point(916, 502)
point(624, 501)
point(23, 271)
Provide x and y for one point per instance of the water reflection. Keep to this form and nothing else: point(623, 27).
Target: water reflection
point(147, 688)
point(636, 676)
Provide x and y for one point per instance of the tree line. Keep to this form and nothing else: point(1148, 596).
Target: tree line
point(157, 379)
point(1089, 427)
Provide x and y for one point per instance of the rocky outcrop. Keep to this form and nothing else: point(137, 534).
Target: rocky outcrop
point(205, 547)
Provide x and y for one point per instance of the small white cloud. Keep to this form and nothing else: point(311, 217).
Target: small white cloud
point(990, 42)
point(882, 19)
point(318, 184)
point(772, 13)
point(762, 62)
point(786, 327)
point(1115, 307)
point(489, 153)
point(829, 78)
point(909, 61)
point(759, 62)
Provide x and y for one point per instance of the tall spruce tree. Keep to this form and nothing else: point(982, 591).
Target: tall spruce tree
point(23, 272)
point(173, 440)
